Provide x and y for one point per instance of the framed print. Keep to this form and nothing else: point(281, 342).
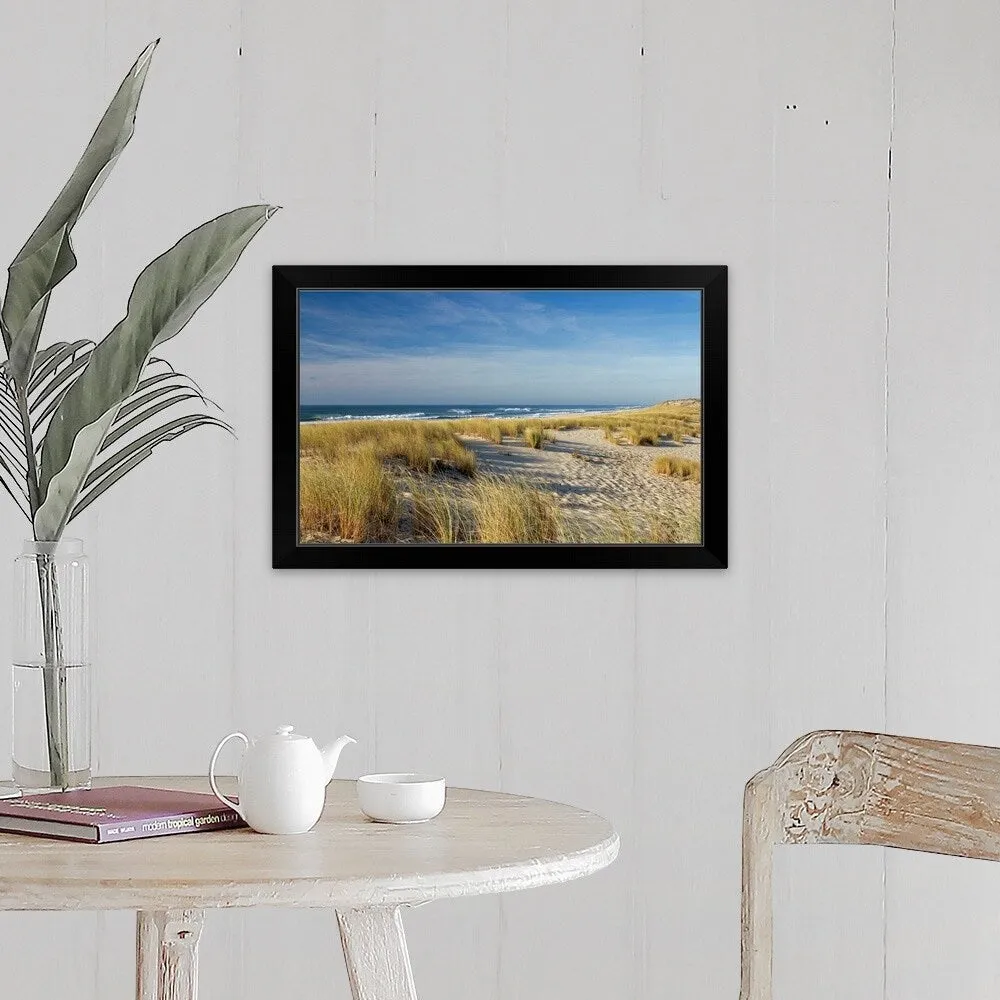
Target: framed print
point(499, 416)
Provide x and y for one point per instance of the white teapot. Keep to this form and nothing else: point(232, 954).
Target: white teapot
point(282, 780)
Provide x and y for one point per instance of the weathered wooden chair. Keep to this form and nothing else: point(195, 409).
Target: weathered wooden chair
point(861, 788)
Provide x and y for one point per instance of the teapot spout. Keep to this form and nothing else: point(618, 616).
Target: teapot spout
point(331, 754)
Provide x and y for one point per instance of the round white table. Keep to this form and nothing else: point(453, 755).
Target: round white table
point(483, 842)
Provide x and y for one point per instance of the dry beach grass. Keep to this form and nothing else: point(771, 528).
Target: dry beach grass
point(631, 476)
point(682, 468)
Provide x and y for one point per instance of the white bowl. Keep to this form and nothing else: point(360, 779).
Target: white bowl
point(401, 798)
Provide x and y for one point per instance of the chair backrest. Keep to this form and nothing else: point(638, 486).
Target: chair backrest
point(834, 787)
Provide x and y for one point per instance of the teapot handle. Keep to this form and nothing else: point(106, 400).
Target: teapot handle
point(230, 803)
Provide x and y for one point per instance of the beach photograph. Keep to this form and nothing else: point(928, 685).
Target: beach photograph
point(500, 417)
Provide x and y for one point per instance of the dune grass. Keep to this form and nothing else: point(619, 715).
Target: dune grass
point(619, 526)
point(675, 420)
point(622, 526)
point(420, 445)
point(353, 499)
point(683, 528)
point(679, 468)
point(534, 436)
point(481, 427)
point(672, 422)
point(490, 510)
point(375, 481)
point(346, 487)
point(510, 511)
point(438, 516)
point(638, 434)
point(319, 509)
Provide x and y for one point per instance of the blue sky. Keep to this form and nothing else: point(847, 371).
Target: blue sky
point(480, 347)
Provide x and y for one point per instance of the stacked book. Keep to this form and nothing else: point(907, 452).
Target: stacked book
point(119, 812)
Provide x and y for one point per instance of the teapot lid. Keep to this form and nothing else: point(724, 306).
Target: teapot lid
point(284, 733)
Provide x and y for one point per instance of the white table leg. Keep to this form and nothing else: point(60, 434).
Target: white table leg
point(378, 965)
point(167, 954)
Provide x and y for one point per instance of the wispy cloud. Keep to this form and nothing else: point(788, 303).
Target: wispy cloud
point(553, 346)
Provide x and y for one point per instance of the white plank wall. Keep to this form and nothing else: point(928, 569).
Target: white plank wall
point(863, 454)
point(944, 409)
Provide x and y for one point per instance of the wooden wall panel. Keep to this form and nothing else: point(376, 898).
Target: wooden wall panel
point(162, 539)
point(751, 134)
point(944, 536)
point(570, 734)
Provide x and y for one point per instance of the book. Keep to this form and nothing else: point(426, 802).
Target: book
point(115, 813)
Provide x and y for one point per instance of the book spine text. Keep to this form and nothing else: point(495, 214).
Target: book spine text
point(161, 826)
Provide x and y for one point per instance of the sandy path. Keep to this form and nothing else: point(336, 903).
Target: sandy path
point(591, 477)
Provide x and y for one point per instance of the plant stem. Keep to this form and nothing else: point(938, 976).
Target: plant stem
point(53, 674)
point(54, 671)
point(34, 501)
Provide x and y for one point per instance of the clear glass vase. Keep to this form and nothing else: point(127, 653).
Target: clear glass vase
point(51, 667)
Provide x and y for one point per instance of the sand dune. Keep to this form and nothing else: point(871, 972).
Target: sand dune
point(480, 479)
point(591, 478)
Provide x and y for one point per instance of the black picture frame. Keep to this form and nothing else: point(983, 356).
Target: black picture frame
point(289, 280)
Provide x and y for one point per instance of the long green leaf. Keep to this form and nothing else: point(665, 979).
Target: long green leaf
point(12, 462)
point(9, 410)
point(12, 449)
point(50, 382)
point(47, 361)
point(18, 494)
point(14, 470)
point(39, 422)
point(12, 428)
point(42, 357)
point(177, 383)
point(178, 377)
point(165, 296)
point(142, 396)
point(10, 417)
point(109, 472)
point(48, 255)
point(122, 427)
point(58, 381)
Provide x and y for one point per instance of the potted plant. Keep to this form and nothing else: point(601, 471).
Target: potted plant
point(75, 417)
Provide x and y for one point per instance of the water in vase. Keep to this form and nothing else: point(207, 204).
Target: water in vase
point(30, 747)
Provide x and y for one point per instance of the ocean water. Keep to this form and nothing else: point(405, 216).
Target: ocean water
point(425, 411)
